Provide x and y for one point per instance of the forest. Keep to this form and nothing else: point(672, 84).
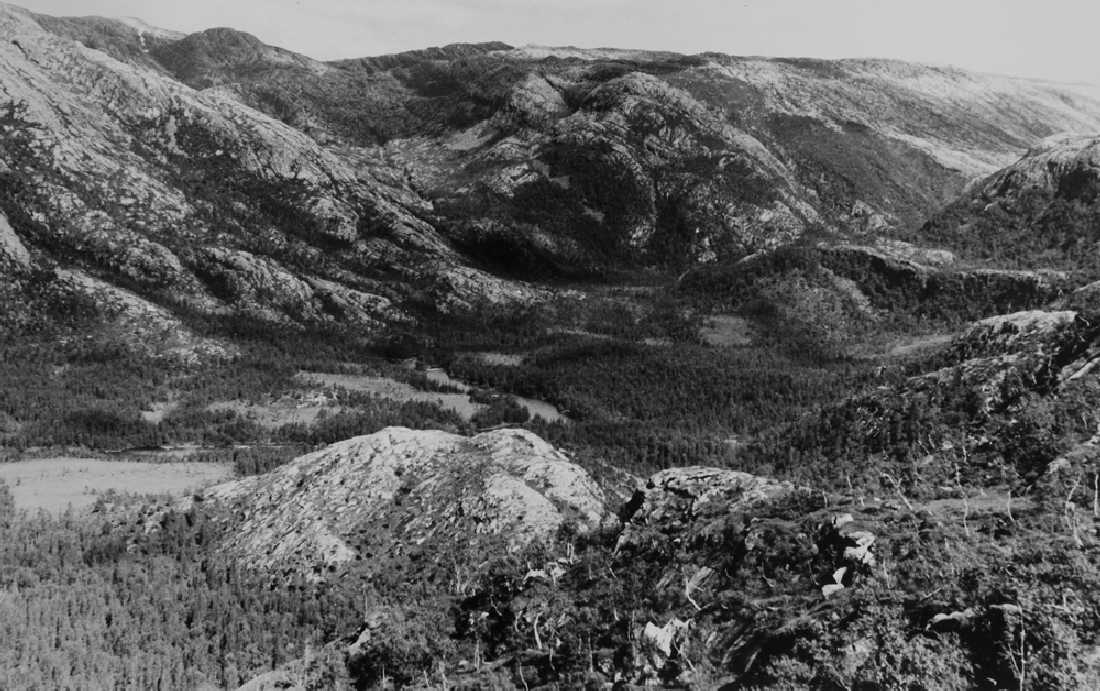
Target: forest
point(94, 601)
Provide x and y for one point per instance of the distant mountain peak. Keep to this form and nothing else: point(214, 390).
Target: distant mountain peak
point(209, 57)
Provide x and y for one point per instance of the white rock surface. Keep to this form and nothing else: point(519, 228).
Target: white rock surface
point(11, 247)
point(403, 487)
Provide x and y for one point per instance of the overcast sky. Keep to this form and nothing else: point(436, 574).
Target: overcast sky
point(1054, 39)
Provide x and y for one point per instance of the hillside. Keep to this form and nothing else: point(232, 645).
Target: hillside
point(133, 185)
point(1040, 211)
point(941, 519)
point(400, 488)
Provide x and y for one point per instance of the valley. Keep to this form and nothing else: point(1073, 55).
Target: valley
point(486, 366)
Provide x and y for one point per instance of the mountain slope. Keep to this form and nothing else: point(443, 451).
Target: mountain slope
point(1041, 211)
point(709, 154)
point(545, 161)
point(114, 171)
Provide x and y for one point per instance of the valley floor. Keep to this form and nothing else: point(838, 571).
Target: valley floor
point(57, 484)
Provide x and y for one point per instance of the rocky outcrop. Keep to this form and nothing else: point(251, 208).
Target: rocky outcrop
point(672, 499)
point(376, 496)
point(1067, 166)
point(1015, 332)
point(12, 249)
point(128, 319)
point(999, 357)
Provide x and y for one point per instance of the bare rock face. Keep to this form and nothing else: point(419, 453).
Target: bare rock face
point(376, 495)
point(12, 249)
point(998, 357)
point(1014, 332)
point(257, 284)
point(112, 167)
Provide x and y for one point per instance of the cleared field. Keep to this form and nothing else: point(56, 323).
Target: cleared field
point(535, 407)
point(384, 387)
point(275, 414)
point(54, 484)
point(916, 345)
point(901, 347)
point(542, 409)
point(460, 403)
point(498, 359)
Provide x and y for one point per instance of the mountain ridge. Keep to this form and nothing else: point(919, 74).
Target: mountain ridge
point(484, 165)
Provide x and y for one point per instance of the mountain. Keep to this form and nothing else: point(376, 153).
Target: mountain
point(120, 176)
point(1041, 211)
point(214, 175)
point(661, 158)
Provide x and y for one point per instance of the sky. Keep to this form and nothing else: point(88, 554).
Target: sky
point(1051, 39)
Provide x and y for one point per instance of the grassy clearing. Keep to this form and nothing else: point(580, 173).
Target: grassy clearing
point(385, 387)
point(458, 403)
point(499, 359)
point(726, 330)
point(54, 484)
point(275, 414)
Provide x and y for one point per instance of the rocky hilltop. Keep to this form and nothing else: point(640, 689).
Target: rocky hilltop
point(377, 497)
